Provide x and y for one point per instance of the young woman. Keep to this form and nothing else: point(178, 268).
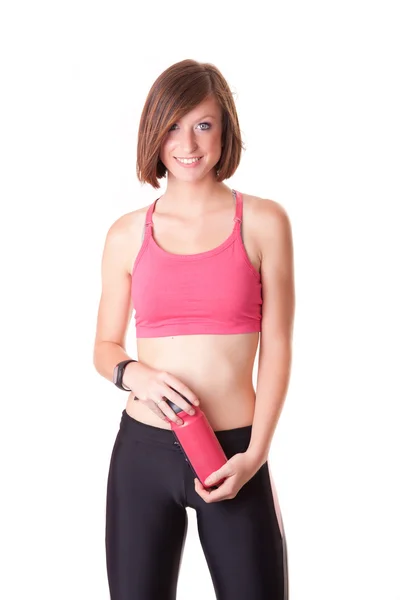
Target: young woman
point(209, 273)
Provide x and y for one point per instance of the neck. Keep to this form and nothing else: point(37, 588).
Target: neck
point(194, 198)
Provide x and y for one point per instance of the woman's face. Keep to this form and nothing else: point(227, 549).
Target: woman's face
point(196, 136)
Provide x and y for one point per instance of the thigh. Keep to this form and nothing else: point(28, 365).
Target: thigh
point(243, 544)
point(146, 523)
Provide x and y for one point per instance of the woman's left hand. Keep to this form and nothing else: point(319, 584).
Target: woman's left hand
point(237, 471)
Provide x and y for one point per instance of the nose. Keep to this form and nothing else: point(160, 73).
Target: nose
point(187, 141)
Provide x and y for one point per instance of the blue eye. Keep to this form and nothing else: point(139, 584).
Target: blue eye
point(208, 125)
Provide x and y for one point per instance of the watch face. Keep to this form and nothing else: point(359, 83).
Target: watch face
point(115, 374)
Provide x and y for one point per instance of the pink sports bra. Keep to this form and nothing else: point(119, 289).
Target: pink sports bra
point(213, 292)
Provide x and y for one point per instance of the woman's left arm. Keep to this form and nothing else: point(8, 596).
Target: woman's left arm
point(274, 237)
point(275, 352)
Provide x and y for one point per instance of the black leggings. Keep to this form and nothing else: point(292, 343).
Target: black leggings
point(150, 484)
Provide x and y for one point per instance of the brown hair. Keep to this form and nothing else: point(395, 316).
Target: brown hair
point(177, 91)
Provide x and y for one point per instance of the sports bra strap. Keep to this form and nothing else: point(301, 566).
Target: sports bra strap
point(149, 221)
point(149, 213)
point(239, 208)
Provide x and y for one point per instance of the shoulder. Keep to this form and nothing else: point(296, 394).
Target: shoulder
point(268, 218)
point(127, 225)
point(268, 211)
point(124, 236)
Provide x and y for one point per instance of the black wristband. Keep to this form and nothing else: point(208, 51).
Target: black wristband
point(118, 374)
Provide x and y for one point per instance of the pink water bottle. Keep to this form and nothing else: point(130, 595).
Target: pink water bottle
point(198, 442)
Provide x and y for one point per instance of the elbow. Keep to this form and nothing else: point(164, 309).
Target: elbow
point(95, 359)
point(98, 352)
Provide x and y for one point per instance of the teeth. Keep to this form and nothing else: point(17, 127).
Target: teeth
point(188, 161)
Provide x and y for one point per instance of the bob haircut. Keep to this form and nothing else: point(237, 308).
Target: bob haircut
point(177, 91)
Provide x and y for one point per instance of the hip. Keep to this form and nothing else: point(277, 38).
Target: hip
point(232, 440)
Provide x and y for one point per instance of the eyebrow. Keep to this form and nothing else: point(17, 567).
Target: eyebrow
point(205, 117)
point(202, 118)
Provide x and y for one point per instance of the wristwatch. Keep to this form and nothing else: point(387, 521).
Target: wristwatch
point(118, 373)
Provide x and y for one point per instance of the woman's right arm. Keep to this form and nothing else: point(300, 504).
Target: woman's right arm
point(115, 309)
point(114, 315)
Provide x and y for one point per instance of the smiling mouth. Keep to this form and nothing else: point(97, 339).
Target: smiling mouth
point(188, 161)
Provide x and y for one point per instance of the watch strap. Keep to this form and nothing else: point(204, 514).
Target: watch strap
point(119, 373)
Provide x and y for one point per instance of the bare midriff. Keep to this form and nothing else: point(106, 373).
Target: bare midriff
point(217, 368)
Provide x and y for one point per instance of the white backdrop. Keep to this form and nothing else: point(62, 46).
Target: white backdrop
point(317, 92)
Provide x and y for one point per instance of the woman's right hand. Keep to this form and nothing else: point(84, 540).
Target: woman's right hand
point(152, 388)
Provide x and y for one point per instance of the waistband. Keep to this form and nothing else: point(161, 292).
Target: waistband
point(151, 433)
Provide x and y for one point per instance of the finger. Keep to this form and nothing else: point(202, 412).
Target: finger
point(154, 408)
point(180, 401)
point(202, 492)
point(162, 416)
point(176, 399)
point(216, 476)
point(180, 388)
point(214, 495)
point(200, 487)
point(223, 492)
point(167, 410)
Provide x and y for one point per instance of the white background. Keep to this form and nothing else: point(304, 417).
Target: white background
point(317, 91)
